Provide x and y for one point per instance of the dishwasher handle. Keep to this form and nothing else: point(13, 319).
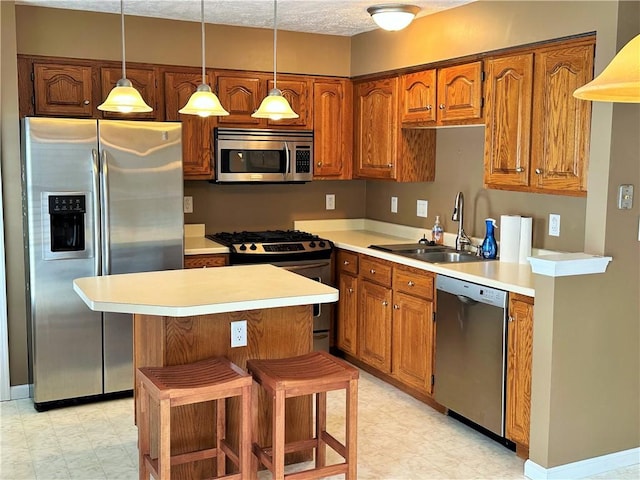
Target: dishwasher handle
point(466, 300)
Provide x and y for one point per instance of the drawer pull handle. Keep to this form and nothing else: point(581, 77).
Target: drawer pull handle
point(385, 303)
point(410, 283)
point(372, 271)
point(346, 262)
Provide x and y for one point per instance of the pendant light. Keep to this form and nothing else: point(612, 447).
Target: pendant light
point(619, 81)
point(123, 98)
point(275, 106)
point(203, 102)
point(393, 16)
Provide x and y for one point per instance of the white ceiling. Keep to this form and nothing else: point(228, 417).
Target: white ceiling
point(331, 17)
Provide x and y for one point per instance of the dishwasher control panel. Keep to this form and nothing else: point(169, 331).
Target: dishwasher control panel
point(474, 291)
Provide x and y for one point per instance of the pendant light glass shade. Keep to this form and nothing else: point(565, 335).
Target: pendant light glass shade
point(123, 98)
point(203, 102)
point(275, 106)
point(394, 16)
point(619, 81)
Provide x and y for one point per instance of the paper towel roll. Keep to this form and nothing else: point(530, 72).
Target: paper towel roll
point(509, 238)
point(526, 224)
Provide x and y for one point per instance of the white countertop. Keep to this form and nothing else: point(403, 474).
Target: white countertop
point(513, 277)
point(201, 291)
point(195, 243)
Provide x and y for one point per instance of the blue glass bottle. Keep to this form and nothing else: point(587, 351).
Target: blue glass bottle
point(489, 245)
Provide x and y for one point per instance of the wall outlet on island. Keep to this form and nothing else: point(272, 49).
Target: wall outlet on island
point(239, 334)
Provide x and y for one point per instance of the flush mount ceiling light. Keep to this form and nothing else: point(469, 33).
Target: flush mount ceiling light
point(393, 16)
point(203, 102)
point(123, 98)
point(619, 81)
point(275, 106)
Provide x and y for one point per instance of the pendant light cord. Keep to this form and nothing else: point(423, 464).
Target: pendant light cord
point(275, 39)
point(202, 28)
point(124, 68)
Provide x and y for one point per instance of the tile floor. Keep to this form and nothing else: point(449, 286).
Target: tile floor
point(98, 441)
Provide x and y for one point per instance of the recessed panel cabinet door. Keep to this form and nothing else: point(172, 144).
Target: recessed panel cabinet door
point(376, 127)
point(460, 92)
point(63, 90)
point(561, 122)
point(374, 341)
point(509, 89)
point(196, 131)
point(143, 80)
point(347, 338)
point(418, 97)
point(298, 94)
point(240, 96)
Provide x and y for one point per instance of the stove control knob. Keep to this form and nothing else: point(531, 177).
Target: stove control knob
point(253, 247)
point(312, 244)
point(322, 244)
point(243, 247)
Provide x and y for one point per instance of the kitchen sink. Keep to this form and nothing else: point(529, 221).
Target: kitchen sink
point(429, 253)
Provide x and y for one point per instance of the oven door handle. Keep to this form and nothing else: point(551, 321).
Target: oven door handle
point(294, 268)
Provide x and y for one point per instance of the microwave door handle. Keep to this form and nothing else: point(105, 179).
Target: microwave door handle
point(287, 156)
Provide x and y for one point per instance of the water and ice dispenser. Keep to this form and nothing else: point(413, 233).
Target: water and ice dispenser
point(66, 222)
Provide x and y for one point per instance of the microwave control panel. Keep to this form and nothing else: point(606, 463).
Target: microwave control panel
point(303, 160)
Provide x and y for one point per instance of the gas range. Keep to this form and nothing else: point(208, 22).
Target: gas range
point(273, 246)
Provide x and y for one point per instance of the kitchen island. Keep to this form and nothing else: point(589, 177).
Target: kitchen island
point(181, 316)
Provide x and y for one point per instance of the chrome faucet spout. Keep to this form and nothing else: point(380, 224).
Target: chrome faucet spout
point(462, 238)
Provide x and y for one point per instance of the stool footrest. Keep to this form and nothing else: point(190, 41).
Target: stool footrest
point(316, 473)
point(194, 456)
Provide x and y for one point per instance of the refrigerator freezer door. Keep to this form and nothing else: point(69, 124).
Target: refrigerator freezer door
point(65, 336)
point(142, 219)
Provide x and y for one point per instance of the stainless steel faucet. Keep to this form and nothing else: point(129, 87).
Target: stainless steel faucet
point(462, 238)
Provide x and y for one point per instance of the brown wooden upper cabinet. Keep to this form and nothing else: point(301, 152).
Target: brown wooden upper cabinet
point(143, 80)
point(383, 150)
point(298, 93)
point(332, 129)
point(240, 95)
point(196, 131)
point(447, 96)
point(537, 133)
point(64, 90)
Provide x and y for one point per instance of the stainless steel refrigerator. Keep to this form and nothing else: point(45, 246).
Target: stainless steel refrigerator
point(100, 197)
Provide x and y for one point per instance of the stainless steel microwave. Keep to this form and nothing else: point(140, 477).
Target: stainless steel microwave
point(259, 155)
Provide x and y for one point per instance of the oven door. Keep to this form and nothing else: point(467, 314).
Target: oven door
point(253, 161)
point(320, 271)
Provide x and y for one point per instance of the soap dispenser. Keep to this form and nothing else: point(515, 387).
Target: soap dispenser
point(489, 246)
point(437, 232)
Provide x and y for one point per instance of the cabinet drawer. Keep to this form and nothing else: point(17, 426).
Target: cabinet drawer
point(348, 262)
point(413, 281)
point(377, 271)
point(206, 260)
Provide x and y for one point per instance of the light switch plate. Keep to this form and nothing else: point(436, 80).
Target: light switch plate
point(394, 204)
point(422, 208)
point(625, 197)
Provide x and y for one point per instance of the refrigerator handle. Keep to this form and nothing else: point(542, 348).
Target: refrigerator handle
point(97, 229)
point(104, 196)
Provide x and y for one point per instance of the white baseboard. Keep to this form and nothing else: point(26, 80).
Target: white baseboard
point(583, 468)
point(19, 392)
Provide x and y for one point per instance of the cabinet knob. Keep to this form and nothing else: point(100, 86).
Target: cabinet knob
point(319, 164)
point(389, 165)
point(538, 171)
point(396, 307)
point(385, 303)
point(519, 169)
point(510, 318)
point(410, 283)
point(372, 271)
point(86, 102)
point(442, 107)
point(350, 290)
point(429, 107)
point(346, 262)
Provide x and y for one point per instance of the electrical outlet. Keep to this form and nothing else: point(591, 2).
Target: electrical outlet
point(625, 197)
point(330, 201)
point(422, 208)
point(239, 333)
point(394, 204)
point(187, 204)
point(554, 225)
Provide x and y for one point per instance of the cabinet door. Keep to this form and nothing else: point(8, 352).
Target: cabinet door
point(519, 354)
point(240, 96)
point(508, 121)
point(298, 94)
point(332, 129)
point(63, 90)
point(561, 123)
point(412, 341)
point(418, 97)
point(143, 80)
point(376, 124)
point(347, 331)
point(460, 92)
point(196, 131)
point(374, 328)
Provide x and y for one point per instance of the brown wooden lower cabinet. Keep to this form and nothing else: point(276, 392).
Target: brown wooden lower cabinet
point(519, 355)
point(206, 260)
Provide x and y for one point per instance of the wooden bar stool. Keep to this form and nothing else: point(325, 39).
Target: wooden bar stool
point(313, 373)
point(214, 379)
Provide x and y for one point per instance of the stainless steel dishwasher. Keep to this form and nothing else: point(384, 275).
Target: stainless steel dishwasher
point(470, 362)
